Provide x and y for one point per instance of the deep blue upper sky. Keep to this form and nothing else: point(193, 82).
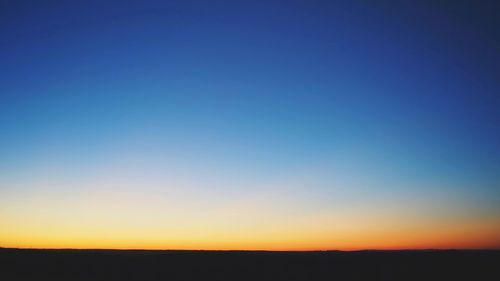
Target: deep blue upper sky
point(391, 92)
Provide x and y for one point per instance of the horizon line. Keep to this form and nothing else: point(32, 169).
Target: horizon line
point(258, 250)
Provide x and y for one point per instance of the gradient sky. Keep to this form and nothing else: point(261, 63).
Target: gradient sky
point(250, 124)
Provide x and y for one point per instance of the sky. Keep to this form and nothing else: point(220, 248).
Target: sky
point(276, 125)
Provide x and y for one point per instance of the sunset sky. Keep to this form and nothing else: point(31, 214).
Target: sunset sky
point(277, 125)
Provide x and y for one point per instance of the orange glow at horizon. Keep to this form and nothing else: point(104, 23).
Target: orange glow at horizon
point(118, 214)
point(304, 235)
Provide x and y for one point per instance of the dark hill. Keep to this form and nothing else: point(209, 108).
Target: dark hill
point(121, 265)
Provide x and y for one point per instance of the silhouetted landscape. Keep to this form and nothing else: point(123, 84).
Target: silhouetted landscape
point(249, 124)
point(31, 264)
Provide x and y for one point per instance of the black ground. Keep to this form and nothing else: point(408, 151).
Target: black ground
point(17, 264)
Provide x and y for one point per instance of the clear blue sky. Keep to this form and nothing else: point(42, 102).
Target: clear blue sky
point(343, 108)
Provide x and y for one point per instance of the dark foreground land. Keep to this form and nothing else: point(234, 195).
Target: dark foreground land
point(17, 264)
